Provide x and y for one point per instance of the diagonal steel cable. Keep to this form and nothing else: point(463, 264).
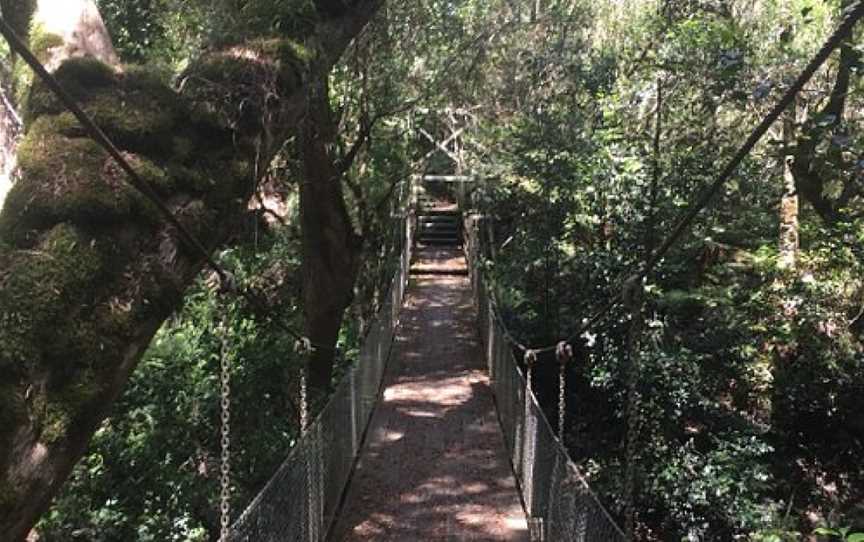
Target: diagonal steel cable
point(135, 180)
point(851, 16)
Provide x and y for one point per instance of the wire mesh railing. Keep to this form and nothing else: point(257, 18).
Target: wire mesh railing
point(299, 503)
point(560, 503)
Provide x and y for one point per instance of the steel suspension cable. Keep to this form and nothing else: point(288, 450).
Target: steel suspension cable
point(853, 14)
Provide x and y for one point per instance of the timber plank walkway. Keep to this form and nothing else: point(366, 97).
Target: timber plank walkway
point(434, 466)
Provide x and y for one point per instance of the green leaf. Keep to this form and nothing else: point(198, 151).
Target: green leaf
point(855, 537)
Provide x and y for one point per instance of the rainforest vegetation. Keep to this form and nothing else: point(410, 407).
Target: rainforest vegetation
point(282, 133)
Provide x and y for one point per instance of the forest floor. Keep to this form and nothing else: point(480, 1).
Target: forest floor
point(434, 465)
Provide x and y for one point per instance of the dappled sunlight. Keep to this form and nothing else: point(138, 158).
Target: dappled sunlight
point(449, 392)
point(474, 514)
point(375, 526)
point(421, 413)
point(392, 436)
point(435, 467)
point(474, 488)
point(439, 261)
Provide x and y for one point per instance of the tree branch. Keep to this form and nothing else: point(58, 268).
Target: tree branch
point(809, 181)
point(363, 137)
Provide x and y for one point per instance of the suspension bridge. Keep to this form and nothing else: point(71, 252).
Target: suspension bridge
point(462, 474)
point(436, 433)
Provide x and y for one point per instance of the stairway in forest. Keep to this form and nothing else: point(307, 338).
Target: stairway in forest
point(439, 227)
point(438, 219)
point(438, 240)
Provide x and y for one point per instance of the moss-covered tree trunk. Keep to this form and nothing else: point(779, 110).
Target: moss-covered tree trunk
point(331, 248)
point(89, 270)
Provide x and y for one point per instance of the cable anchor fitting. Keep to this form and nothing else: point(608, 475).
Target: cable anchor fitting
point(564, 352)
point(303, 346)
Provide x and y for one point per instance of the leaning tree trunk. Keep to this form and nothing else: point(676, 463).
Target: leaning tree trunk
point(789, 231)
point(331, 248)
point(89, 269)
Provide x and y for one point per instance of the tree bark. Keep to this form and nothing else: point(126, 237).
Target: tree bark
point(810, 170)
point(331, 248)
point(789, 239)
point(89, 270)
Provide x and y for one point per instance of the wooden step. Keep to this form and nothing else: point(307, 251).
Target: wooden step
point(451, 224)
point(437, 233)
point(439, 242)
point(438, 228)
point(438, 215)
point(422, 271)
point(426, 213)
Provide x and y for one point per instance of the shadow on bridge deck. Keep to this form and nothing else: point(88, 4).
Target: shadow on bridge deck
point(434, 466)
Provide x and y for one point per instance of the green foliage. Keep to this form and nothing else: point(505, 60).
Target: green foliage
point(751, 378)
point(842, 533)
point(160, 31)
point(168, 32)
point(152, 469)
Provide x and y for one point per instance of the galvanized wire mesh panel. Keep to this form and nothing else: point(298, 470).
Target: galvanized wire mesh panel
point(555, 493)
point(300, 501)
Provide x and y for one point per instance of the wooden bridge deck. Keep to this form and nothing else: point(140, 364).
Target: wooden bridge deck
point(434, 466)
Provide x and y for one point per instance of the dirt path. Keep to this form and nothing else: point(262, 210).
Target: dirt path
point(434, 466)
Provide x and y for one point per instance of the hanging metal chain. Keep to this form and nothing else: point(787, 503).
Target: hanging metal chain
point(304, 347)
point(564, 353)
point(304, 403)
point(530, 360)
point(225, 459)
point(632, 297)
